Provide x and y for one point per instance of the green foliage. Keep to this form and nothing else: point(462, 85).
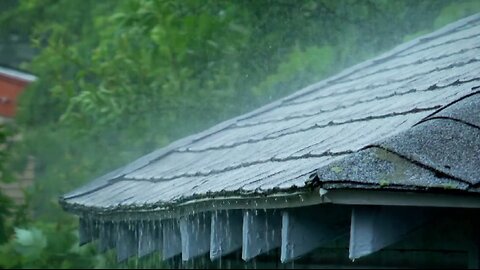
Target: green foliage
point(455, 11)
point(300, 67)
point(6, 204)
point(47, 245)
point(118, 79)
point(29, 242)
point(5, 213)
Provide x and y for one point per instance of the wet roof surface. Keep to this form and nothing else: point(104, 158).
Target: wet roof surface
point(365, 127)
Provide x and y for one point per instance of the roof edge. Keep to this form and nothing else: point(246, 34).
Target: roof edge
point(278, 200)
point(17, 74)
point(282, 200)
point(392, 198)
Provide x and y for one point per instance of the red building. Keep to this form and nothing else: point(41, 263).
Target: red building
point(12, 83)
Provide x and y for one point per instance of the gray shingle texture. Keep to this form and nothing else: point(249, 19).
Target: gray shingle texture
point(447, 146)
point(366, 127)
point(378, 167)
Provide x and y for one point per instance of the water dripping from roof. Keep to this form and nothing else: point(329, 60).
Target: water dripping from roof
point(267, 231)
point(144, 231)
point(227, 232)
point(219, 264)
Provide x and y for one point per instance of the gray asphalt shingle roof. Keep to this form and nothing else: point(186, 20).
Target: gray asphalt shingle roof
point(363, 128)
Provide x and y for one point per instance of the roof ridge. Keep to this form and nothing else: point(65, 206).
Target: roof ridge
point(440, 172)
point(448, 105)
point(377, 166)
point(450, 149)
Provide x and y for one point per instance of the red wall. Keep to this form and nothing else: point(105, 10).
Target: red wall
point(10, 88)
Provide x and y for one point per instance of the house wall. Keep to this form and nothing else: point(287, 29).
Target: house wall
point(10, 89)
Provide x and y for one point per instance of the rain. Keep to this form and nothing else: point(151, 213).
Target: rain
point(239, 134)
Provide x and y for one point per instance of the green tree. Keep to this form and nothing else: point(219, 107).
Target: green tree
point(118, 79)
point(6, 205)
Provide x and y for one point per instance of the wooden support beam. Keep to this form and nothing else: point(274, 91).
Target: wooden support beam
point(261, 232)
point(149, 237)
point(376, 227)
point(107, 239)
point(195, 233)
point(88, 230)
point(172, 243)
point(307, 228)
point(226, 233)
point(126, 240)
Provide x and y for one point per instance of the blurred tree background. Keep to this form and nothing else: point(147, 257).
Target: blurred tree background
point(119, 79)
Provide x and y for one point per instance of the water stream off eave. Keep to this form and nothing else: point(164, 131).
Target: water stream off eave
point(152, 243)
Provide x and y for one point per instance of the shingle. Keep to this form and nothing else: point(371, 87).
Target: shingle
point(466, 31)
point(466, 110)
point(454, 46)
point(377, 107)
point(345, 101)
point(98, 183)
point(438, 57)
point(375, 166)
point(334, 123)
point(444, 145)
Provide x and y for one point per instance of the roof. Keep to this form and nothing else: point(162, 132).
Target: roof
point(406, 120)
point(16, 74)
point(439, 152)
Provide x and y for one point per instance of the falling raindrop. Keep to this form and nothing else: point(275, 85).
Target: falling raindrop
point(267, 231)
point(220, 263)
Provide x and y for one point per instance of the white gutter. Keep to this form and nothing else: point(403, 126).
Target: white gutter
point(399, 198)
